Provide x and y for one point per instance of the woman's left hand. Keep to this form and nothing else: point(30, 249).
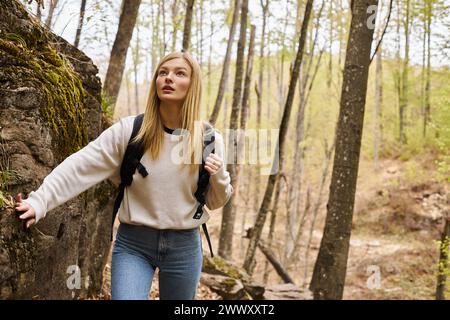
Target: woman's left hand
point(213, 163)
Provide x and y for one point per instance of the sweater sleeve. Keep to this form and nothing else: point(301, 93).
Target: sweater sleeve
point(219, 189)
point(97, 161)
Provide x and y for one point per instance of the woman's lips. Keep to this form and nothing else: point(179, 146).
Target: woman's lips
point(167, 89)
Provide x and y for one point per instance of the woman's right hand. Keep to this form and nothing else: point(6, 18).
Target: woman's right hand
point(29, 214)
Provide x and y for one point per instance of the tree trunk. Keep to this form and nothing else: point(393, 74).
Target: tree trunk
point(163, 46)
point(225, 112)
point(245, 109)
point(305, 87)
point(422, 74)
point(273, 219)
point(404, 78)
point(208, 85)
point(187, 25)
point(119, 50)
point(226, 65)
point(155, 37)
point(259, 94)
point(280, 72)
point(269, 76)
point(315, 211)
point(176, 23)
point(443, 268)
point(331, 264)
point(136, 62)
point(249, 261)
point(427, 113)
point(246, 197)
point(397, 68)
point(298, 174)
point(200, 47)
point(229, 211)
point(51, 11)
point(246, 95)
point(80, 23)
point(38, 10)
point(127, 81)
point(330, 47)
point(341, 34)
point(378, 103)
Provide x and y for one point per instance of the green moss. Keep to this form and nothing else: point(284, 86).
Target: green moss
point(36, 61)
point(223, 266)
point(229, 283)
point(107, 106)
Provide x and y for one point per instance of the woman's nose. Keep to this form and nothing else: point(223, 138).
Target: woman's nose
point(168, 77)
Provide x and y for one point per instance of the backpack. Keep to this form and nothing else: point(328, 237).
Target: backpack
point(131, 162)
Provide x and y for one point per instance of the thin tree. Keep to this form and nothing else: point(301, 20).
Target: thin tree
point(306, 82)
point(175, 23)
point(226, 65)
point(127, 21)
point(302, 129)
point(243, 124)
point(163, 46)
point(280, 66)
point(315, 210)
point(245, 103)
point(229, 211)
point(200, 34)
point(426, 102)
point(443, 265)
point(51, 11)
point(187, 25)
point(377, 123)
point(136, 62)
point(39, 4)
point(404, 76)
point(155, 35)
point(208, 85)
point(331, 264)
point(249, 261)
point(330, 46)
point(80, 23)
point(260, 91)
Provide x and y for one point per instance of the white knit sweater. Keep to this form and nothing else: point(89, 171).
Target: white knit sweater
point(163, 200)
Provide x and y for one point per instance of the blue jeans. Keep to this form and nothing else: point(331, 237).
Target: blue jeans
point(139, 250)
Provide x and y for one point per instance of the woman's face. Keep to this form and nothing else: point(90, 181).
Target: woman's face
point(173, 80)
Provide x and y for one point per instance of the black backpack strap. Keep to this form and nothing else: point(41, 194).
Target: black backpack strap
point(130, 162)
point(205, 230)
point(203, 178)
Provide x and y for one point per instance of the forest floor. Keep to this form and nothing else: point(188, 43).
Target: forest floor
point(399, 215)
point(397, 221)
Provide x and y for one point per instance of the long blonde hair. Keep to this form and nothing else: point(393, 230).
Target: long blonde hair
point(151, 132)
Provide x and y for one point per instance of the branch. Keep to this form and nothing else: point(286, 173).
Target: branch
point(270, 256)
point(384, 31)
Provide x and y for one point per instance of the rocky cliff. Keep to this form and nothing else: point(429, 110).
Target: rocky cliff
point(50, 107)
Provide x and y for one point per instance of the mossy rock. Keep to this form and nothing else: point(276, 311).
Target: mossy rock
point(217, 265)
point(232, 273)
point(51, 101)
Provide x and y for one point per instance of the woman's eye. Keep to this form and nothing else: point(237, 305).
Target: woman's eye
point(181, 73)
point(162, 73)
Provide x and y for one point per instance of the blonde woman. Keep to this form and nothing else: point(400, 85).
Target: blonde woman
point(157, 229)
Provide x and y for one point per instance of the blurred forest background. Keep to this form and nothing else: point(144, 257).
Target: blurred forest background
point(402, 200)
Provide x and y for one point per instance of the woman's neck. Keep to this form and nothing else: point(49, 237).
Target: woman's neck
point(170, 115)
